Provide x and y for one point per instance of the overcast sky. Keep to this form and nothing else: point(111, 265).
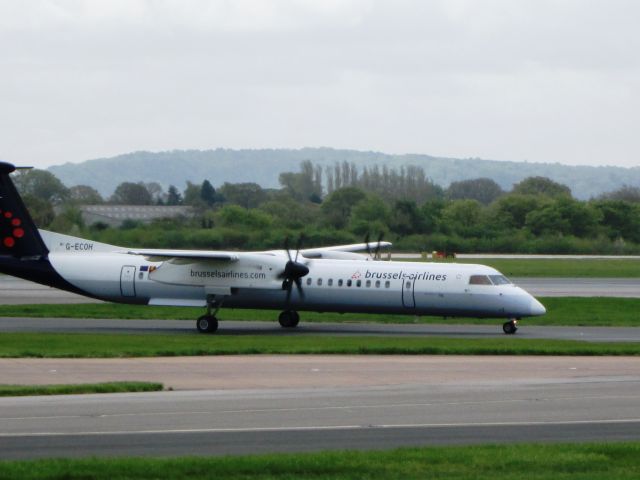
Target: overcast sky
point(544, 81)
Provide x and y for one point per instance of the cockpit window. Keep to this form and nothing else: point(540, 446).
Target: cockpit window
point(499, 280)
point(479, 280)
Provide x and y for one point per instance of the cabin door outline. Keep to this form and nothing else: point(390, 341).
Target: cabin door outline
point(128, 281)
point(408, 293)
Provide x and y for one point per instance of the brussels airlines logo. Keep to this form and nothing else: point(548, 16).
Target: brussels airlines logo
point(438, 277)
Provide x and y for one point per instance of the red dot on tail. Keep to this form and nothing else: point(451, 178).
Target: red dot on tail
point(9, 242)
point(16, 222)
point(8, 214)
point(18, 232)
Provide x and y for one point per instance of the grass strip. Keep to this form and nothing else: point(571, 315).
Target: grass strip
point(109, 387)
point(554, 267)
point(593, 461)
point(81, 345)
point(587, 311)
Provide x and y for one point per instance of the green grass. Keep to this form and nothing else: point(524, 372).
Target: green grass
point(593, 461)
point(81, 345)
point(561, 267)
point(600, 311)
point(110, 387)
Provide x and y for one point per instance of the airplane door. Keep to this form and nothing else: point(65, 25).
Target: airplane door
point(127, 281)
point(408, 297)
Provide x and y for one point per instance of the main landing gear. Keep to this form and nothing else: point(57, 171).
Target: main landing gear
point(208, 323)
point(510, 327)
point(289, 319)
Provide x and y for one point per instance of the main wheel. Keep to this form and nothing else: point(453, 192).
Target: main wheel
point(510, 327)
point(289, 319)
point(207, 324)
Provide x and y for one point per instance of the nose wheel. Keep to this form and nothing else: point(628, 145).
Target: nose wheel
point(510, 327)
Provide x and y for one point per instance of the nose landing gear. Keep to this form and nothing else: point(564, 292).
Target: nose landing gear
point(510, 327)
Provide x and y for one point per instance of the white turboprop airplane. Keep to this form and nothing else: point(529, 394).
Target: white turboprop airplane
point(331, 279)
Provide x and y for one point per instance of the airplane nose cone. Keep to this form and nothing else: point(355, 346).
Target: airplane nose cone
point(537, 308)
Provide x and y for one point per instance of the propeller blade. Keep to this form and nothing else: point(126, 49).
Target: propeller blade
point(299, 245)
point(289, 288)
point(298, 283)
point(366, 240)
point(377, 251)
point(286, 247)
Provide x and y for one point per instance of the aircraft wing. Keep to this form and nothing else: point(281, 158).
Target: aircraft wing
point(154, 255)
point(340, 251)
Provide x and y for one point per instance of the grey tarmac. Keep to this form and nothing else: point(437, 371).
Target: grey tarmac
point(258, 404)
point(234, 327)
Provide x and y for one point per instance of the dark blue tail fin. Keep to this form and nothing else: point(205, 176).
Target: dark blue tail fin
point(19, 236)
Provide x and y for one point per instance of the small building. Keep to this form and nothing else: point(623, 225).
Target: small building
point(115, 215)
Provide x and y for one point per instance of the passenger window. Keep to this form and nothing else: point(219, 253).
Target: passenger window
point(358, 283)
point(330, 282)
point(377, 283)
point(368, 284)
point(308, 281)
point(387, 284)
point(349, 283)
point(340, 282)
point(319, 282)
point(479, 280)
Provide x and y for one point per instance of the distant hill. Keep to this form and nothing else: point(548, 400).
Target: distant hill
point(263, 166)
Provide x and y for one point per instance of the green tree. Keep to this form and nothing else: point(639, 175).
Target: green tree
point(463, 217)
point(336, 208)
point(431, 213)
point(289, 213)
point(405, 218)
point(173, 196)
point(625, 193)
point(541, 186)
point(511, 210)
point(305, 185)
point(247, 195)
point(208, 193)
point(370, 215)
point(41, 211)
point(483, 190)
point(129, 193)
point(237, 216)
point(547, 220)
point(583, 220)
point(620, 219)
point(41, 184)
point(85, 195)
point(192, 195)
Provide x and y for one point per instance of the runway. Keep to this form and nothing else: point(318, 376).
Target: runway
point(15, 291)
point(306, 403)
point(258, 404)
point(230, 327)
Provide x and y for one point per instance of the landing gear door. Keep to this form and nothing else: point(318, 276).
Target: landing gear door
point(127, 281)
point(408, 296)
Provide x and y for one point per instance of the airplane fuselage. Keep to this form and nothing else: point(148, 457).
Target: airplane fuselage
point(365, 286)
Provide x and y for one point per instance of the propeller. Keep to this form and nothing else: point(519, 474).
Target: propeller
point(293, 270)
point(376, 253)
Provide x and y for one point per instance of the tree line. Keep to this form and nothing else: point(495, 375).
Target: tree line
point(344, 203)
